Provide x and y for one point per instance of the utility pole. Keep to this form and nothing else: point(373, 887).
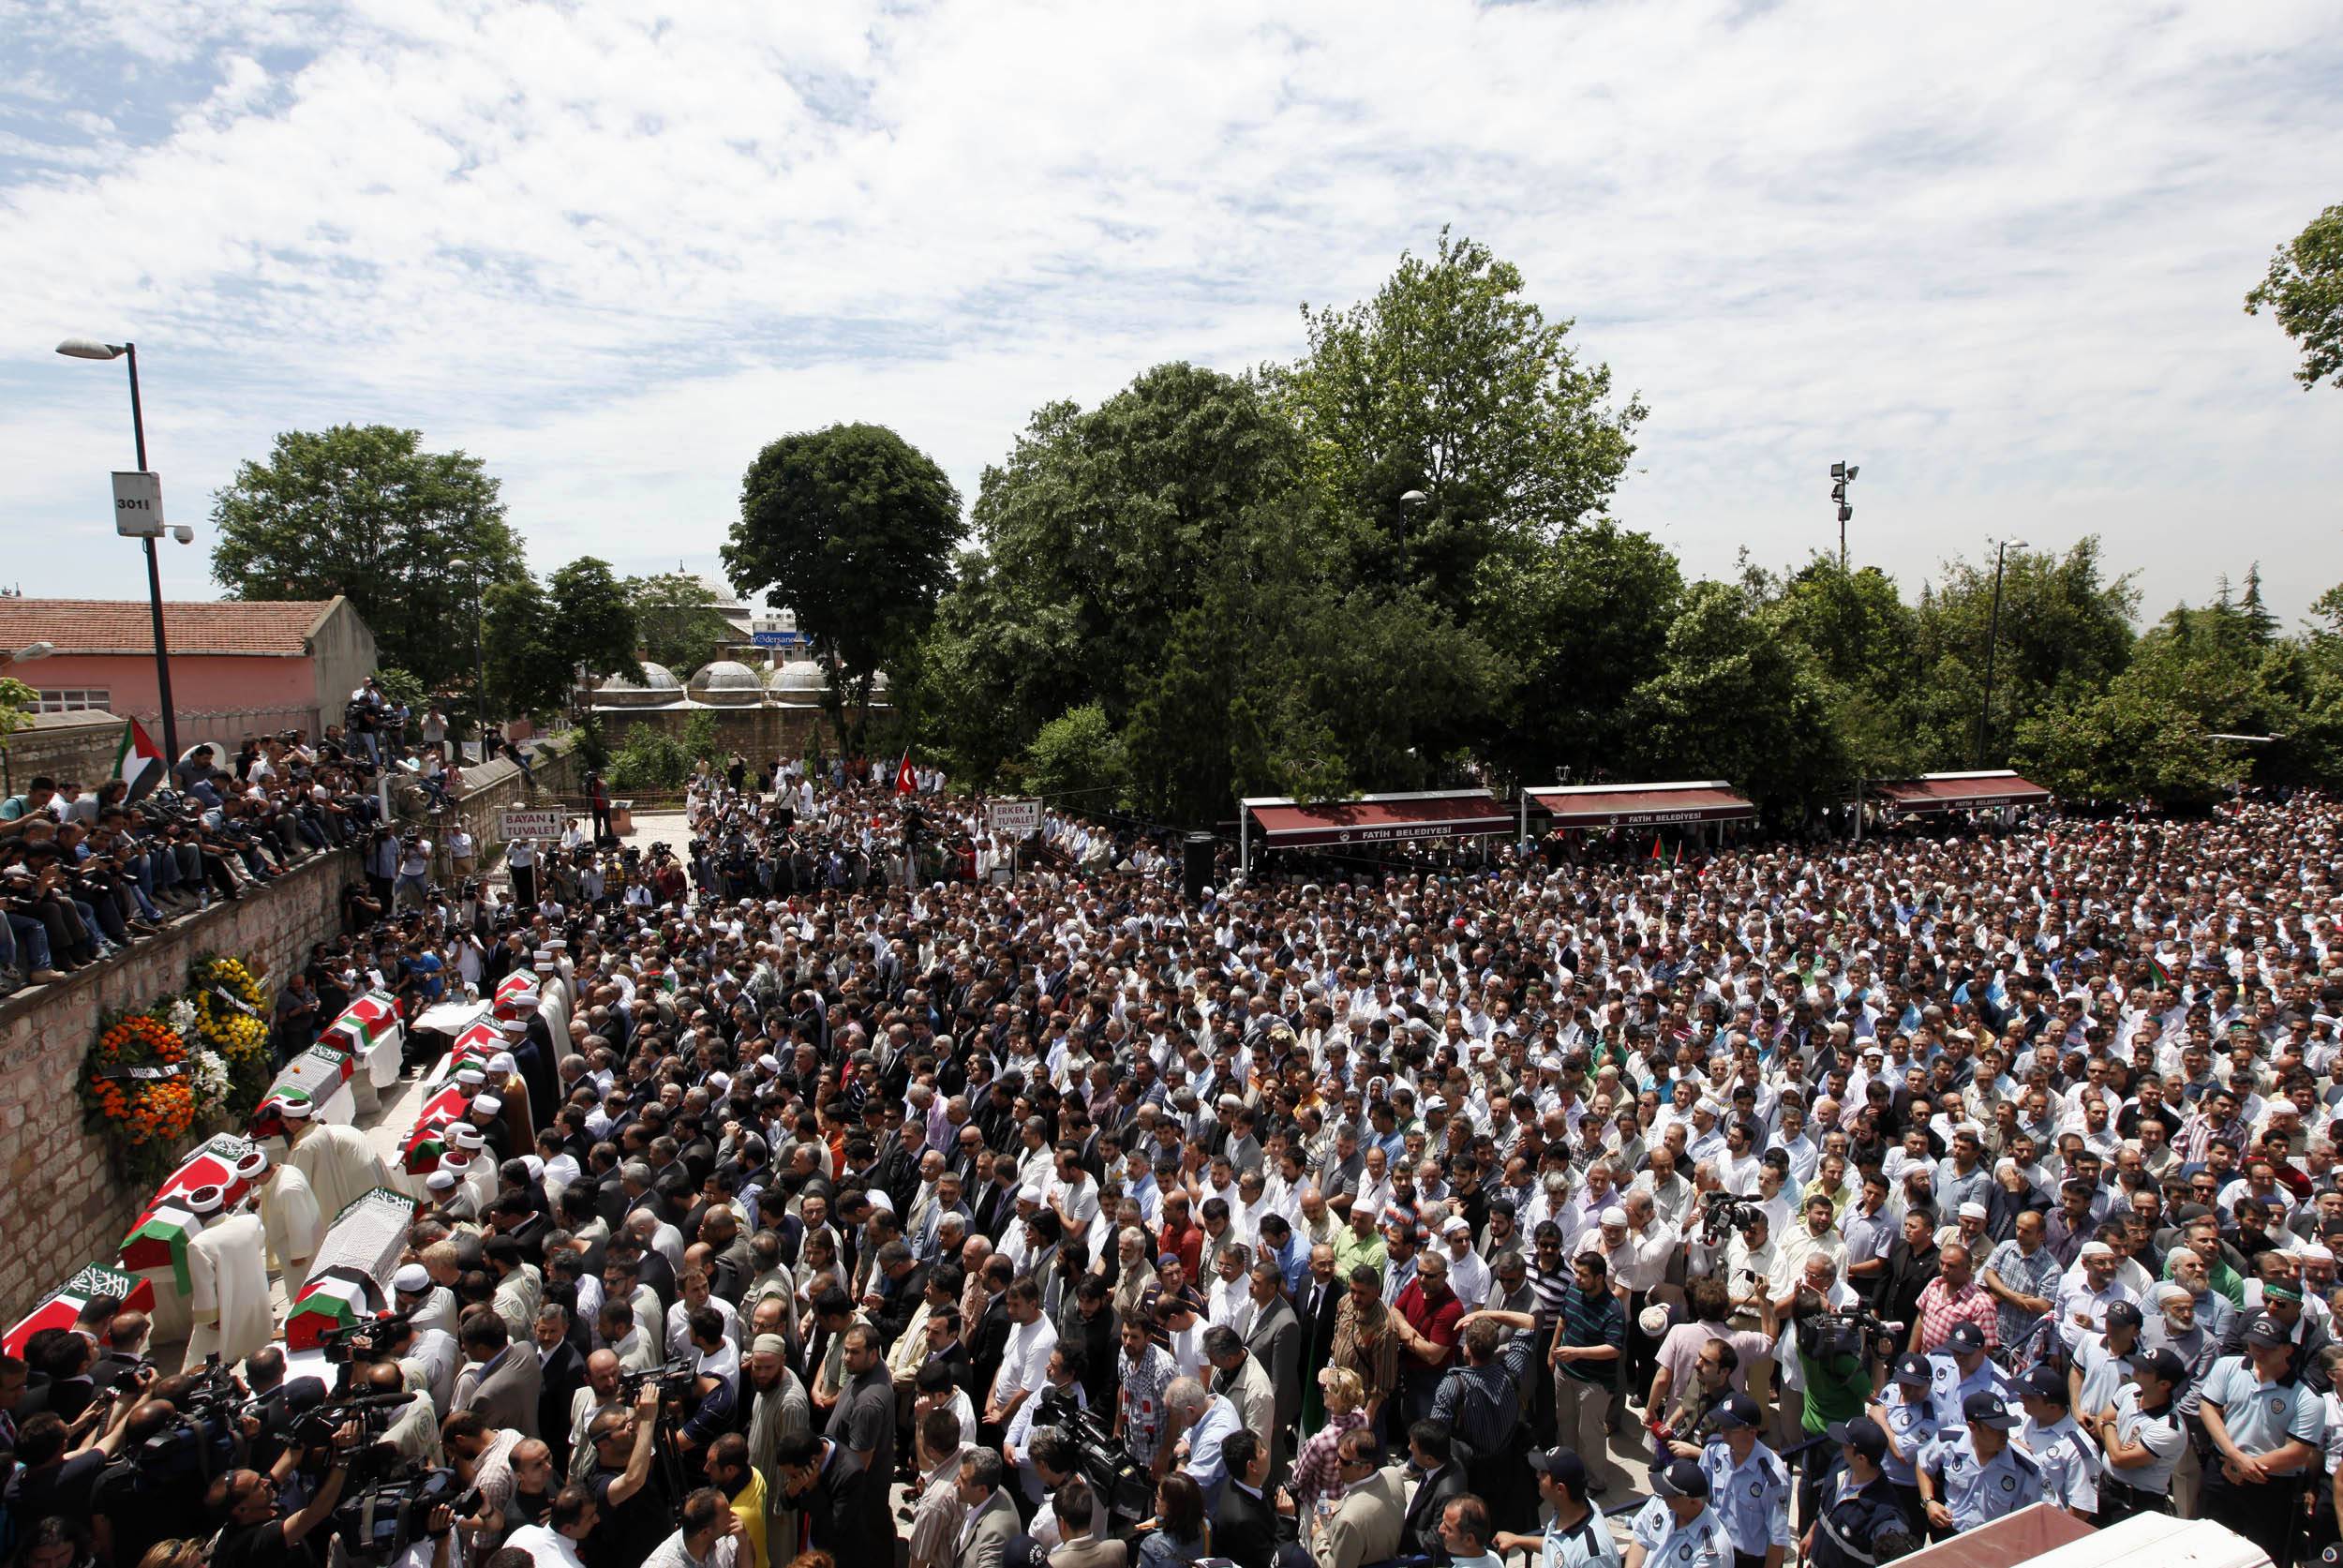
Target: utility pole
point(1841, 475)
point(1993, 639)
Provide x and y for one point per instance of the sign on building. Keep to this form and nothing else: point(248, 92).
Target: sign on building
point(1017, 819)
point(518, 822)
point(780, 640)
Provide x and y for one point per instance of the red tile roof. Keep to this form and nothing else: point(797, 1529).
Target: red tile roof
point(277, 630)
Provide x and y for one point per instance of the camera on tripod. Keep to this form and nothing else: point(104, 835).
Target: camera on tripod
point(1721, 1212)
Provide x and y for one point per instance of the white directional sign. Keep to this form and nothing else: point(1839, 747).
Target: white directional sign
point(522, 823)
point(1017, 819)
point(138, 505)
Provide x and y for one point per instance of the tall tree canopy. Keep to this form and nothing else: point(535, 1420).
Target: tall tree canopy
point(1451, 382)
point(539, 637)
point(853, 527)
point(409, 537)
point(2304, 289)
point(676, 621)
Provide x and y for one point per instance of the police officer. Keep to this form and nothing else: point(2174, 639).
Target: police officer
point(1576, 1535)
point(2267, 1428)
point(1749, 1486)
point(1977, 1475)
point(2068, 1457)
point(1908, 1414)
point(1678, 1529)
point(1858, 1523)
point(1959, 1368)
point(2143, 1441)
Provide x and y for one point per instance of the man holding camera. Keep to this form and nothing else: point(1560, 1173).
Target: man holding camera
point(244, 1501)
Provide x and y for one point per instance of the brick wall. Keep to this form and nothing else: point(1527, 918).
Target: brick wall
point(61, 1203)
point(490, 787)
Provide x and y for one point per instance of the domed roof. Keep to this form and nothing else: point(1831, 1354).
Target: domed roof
point(798, 678)
point(726, 675)
point(656, 677)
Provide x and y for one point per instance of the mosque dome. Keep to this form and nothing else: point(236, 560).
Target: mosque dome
point(798, 678)
point(656, 677)
point(726, 681)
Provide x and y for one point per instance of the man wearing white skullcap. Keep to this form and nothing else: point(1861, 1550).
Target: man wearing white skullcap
point(228, 1276)
point(339, 1162)
point(291, 1225)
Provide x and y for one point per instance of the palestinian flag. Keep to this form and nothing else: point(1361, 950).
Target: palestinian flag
point(334, 1299)
point(419, 1155)
point(137, 761)
point(1655, 846)
point(905, 782)
point(2163, 977)
point(66, 1302)
point(159, 1241)
point(1680, 855)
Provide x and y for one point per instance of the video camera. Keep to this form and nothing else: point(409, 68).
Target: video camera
point(1724, 1211)
point(674, 1379)
point(201, 1440)
point(384, 1521)
point(1120, 1485)
point(1849, 1331)
point(370, 1338)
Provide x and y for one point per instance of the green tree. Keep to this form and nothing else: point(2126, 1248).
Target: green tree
point(1077, 754)
point(676, 621)
point(2125, 745)
point(529, 669)
point(1576, 624)
point(409, 536)
point(1451, 382)
point(853, 527)
point(594, 619)
point(2304, 289)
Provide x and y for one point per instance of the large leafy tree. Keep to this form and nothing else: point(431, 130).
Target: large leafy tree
point(676, 621)
point(1451, 382)
point(410, 537)
point(539, 637)
point(2304, 289)
point(594, 617)
point(853, 527)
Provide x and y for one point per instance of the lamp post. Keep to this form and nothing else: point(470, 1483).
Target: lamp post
point(83, 348)
point(1409, 500)
point(1841, 475)
point(1992, 637)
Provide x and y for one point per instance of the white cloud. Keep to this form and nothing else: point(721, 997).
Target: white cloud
point(1995, 253)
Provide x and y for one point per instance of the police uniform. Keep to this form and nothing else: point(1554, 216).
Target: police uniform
point(1702, 1543)
point(1912, 1423)
point(1978, 1491)
point(1949, 1390)
point(2261, 1417)
point(2070, 1461)
point(1852, 1519)
point(2142, 1488)
point(1587, 1543)
point(1752, 1497)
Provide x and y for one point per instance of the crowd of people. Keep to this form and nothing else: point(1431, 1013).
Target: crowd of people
point(895, 1190)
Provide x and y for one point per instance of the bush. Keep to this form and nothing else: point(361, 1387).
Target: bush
point(650, 759)
point(1077, 753)
point(699, 738)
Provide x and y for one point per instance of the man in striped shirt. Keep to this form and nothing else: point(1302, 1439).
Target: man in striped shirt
point(1589, 1332)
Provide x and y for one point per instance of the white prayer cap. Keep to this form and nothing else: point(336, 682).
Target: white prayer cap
point(1457, 1223)
point(524, 1001)
point(558, 943)
point(2315, 1252)
point(252, 1163)
point(463, 1135)
point(470, 1074)
point(295, 1110)
point(1613, 1215)
point(203, 1200)
point(412, 1278)
point(770, 1062)
point(501, 1062)
point(2168, 1294)
point(769, 1344)
point(492, 1104)
point(536, 1166)
point(2097, 1249)
point(516, 1027)
point(1972, 1210)
point(1025, 1195)
point(542, 955)
point(441, 1181)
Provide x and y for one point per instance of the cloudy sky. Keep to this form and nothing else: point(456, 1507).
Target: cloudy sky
point(1993, 252)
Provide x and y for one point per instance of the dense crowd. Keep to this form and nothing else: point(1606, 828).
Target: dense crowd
point(1853, 1195)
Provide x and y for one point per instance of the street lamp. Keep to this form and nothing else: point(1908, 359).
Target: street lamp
point(1841, 475)
point(1409, 500)
point(1992, 637)
point(83, 348)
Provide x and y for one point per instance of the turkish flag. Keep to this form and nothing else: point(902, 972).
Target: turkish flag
point(905, 782)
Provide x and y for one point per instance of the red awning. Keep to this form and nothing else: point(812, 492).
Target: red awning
point(1953, 792)
point(1643, 805)
point(1381, 818)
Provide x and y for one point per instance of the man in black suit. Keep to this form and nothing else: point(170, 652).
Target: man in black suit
point(562, 1368)
point(988, 1342)
point(1274, 1341)
point(826, 1486)
point(1429, 1447)
point(995, 1208)
point(1246, 1528)
point(1320, 1301)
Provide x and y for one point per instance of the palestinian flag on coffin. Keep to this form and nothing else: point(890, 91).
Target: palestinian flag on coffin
point(419, 1155)
point(160, 1239)
point(353, 1271)
point(137, 761)
point(372, 1018)
point(313, 1078)
point(518, 984)
point(65, 1303)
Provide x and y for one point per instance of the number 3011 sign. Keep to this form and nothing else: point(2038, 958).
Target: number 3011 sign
point(138, 505)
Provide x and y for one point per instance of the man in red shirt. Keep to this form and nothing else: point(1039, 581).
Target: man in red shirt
point(1426, 1315)
point(1951, 1298)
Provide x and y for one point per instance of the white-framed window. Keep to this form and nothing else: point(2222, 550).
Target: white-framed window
point(75, 699)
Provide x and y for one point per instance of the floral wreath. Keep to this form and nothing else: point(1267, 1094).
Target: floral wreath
point(138, 1090)
point(229, 1018)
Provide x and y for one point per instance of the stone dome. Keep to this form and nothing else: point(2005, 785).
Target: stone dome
point(798, 678)
point(656, 677)
point(726, 681)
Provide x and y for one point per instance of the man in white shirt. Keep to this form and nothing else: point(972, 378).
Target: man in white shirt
point(1025, 1359)
point(555, 1542)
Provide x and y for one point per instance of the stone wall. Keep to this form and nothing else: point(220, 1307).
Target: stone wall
point(77, 746)
point(760, 733)
point(490, 787)
point(61, 1202)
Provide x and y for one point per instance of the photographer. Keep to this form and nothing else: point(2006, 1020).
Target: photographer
point(244, 1501)
point(632, 1513)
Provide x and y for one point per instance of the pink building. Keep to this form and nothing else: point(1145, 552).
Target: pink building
point(236, 668)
